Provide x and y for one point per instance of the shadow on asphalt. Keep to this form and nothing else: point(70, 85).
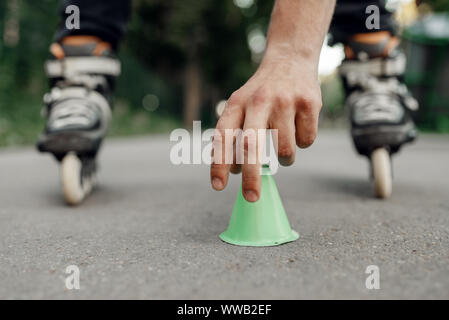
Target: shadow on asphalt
point(358, 187)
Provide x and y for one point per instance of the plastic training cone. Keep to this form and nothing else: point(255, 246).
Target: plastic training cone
point(261, 223)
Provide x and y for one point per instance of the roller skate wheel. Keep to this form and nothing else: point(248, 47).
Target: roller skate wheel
point(72, 180)
point(381, 166)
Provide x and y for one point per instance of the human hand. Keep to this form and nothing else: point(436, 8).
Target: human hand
point(283, 94)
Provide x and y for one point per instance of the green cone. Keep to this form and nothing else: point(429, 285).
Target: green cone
point(262, 223)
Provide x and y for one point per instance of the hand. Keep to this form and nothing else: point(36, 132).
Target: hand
point(283, 94)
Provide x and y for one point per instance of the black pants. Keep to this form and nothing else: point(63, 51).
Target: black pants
point(107, 19)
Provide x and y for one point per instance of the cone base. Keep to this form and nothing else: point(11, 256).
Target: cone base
point(270, 243)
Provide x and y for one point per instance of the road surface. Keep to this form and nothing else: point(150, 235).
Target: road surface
point(150, 230)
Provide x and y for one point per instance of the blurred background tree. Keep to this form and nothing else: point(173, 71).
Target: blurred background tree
point(438, 5)
point(25, 32)
point(199, 47)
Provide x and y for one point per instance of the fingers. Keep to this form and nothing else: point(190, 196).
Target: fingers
point(296, 121)
point(256, 118)
point(231, 119)
point(306, 121)
point(283, 120)
point(236, 167)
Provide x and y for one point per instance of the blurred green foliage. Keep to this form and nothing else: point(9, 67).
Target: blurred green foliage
point(163, 37)
point(211, 36)
point(22, 80)
point(439, 5)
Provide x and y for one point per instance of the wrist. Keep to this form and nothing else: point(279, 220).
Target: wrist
point(304, 59)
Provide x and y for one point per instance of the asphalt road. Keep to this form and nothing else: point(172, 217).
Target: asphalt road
point(151, 229)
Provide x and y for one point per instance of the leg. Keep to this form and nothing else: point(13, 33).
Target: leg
point(349, 27)
point(380, 105)
point(82, 69)
point(105, 19)
point(350, 18)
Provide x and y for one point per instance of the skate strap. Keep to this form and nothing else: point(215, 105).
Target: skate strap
point(72, 66)
point(92, 96)
point(376, 66)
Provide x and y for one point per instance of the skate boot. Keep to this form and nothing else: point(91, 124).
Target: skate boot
point(81, 72)
point(379, 103)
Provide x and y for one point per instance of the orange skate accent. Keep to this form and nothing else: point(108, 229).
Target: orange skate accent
point(79, 40)
point(393, 43)
point(57, 51)
point(101, 47)
point(349, 53)
point(371, 37)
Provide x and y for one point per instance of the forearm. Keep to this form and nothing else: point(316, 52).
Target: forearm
point(298, 28)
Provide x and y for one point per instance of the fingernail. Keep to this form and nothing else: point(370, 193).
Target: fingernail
point(217, 183)
point(251, 196)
